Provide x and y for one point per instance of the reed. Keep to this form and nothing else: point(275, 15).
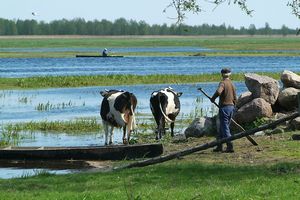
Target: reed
point(110, 80)
point(74, 126)
point(48, 106)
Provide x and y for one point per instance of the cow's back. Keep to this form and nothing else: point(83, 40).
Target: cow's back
point(168, 101)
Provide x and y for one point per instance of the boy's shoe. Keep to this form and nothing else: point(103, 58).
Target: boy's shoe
point(218, 149)
point(229, 151)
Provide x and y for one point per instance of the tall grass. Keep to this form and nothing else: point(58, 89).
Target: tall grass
point(107, 80)
point(72, 126)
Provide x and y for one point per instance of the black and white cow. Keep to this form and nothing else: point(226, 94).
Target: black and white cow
point(117, 110)
point(165, 106)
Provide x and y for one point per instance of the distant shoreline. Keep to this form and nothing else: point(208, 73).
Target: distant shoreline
point(142, 36)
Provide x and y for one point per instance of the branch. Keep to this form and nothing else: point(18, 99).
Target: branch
point(205, 146)
point(295, 6)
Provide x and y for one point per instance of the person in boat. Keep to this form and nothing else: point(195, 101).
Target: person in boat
point(105, 52)
point(227, 100)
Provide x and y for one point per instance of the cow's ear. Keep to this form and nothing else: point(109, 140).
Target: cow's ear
point(179, 94)
point(103, 93)
point(126, 95)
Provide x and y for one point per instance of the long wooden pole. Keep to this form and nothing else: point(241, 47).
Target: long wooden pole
point(298, 98)
point(208, 145)
point(233, 121)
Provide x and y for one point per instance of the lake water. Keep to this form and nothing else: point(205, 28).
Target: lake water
point(28, 67)
point(21, 105)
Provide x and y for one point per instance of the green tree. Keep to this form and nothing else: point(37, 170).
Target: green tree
point(252, 30)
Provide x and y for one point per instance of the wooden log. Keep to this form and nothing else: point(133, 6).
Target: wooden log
point(208, 145)
point(298, 97)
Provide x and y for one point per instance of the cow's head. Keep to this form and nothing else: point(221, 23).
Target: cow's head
point(169, 89)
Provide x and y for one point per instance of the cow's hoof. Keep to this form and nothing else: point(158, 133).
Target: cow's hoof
point(125, 141)
point(105, 143)
point(110, 143)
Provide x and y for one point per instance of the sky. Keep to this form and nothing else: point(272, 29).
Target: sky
point(275, 12)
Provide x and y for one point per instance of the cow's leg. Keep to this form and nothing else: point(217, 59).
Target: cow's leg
point(111, 135)
point(161, 127)
point(157, 128)
point(105, 125)
point(124, 135)
point(172, 129)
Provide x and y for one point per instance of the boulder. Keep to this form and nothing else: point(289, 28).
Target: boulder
point(244, 98)
point(288, 98)
point(290, 79)
point(295, 123)
point(274, 131)
point(262, 87)
point(200, 127)
point(257, 108)
point(260, 133)
point(296, 136)
point(179, 138)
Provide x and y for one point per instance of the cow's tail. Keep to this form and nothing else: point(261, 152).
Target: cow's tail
point(164, 114)
point(133, 118)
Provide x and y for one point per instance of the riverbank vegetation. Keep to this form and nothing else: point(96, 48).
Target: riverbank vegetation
point(111, 80)
point(241, 45)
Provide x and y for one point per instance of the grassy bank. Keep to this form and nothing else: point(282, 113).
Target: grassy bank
point(214, 42)
point(175, 180)
point(269, 171)
point(110, 80)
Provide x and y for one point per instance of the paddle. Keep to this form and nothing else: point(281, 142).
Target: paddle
point(233, 121)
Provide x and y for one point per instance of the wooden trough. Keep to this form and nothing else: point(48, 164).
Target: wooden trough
point(114, 152)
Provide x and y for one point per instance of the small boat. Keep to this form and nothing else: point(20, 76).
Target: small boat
point(112, 152)
point(98, 56)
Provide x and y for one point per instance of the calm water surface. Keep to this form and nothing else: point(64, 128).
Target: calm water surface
point(28, 67)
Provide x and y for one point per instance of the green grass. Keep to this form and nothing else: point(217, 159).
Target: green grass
point(173, 180)
point(110, 80)
point(217, 42)
point(73, 126)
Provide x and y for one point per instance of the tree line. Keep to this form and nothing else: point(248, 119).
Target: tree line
point(122, 26)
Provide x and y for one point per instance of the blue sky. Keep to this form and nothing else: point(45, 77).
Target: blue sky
point(275, 12)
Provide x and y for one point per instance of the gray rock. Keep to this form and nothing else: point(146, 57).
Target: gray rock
point(288, 98)
point(279, 115)
point(290, 79)
point(295, 123)
point(257, 108)
point(244, 98)
point(262, 87)
point(179, 138)
point(296, 136)
point(200, 127)
point(259, 133)
point(276, 130)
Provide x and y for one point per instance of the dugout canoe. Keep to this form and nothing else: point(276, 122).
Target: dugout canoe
point(111, 152)
point(97, 56)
